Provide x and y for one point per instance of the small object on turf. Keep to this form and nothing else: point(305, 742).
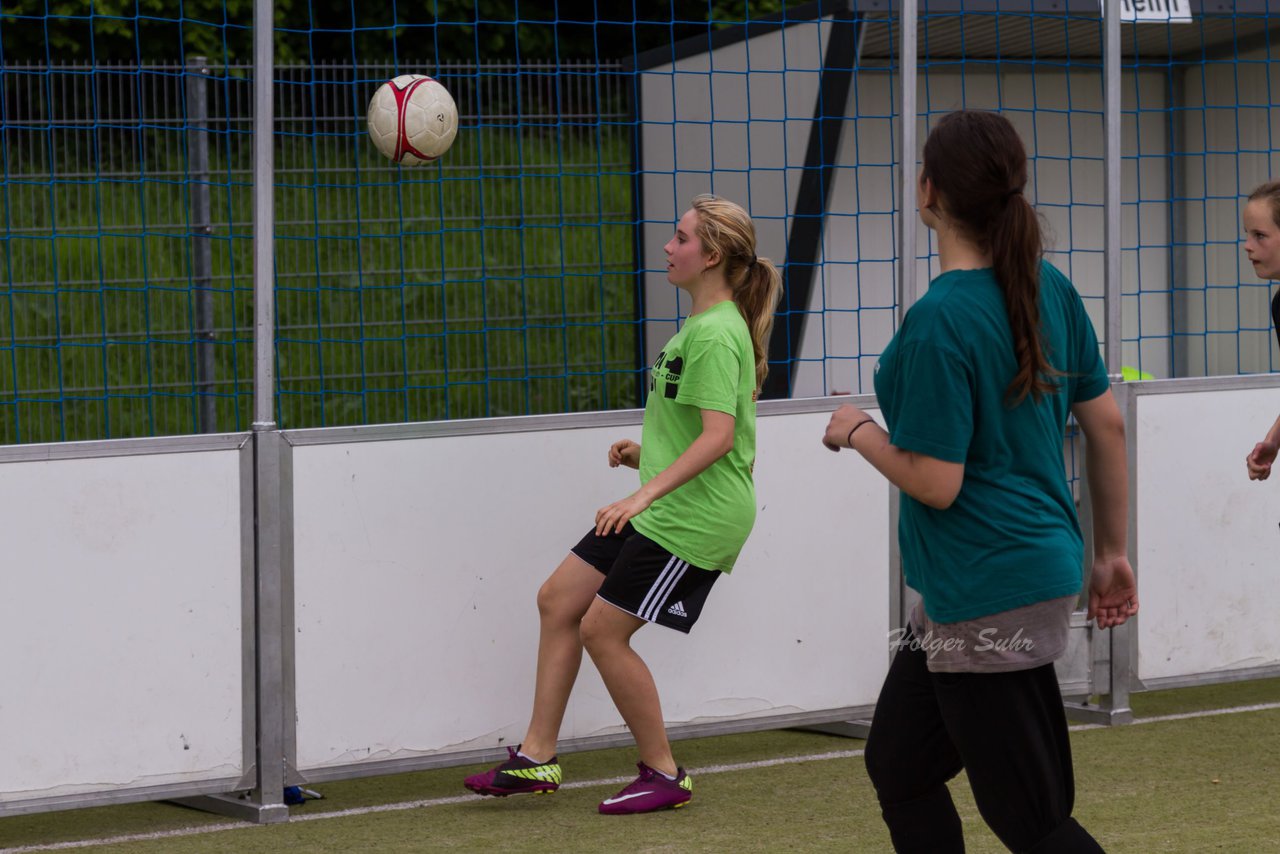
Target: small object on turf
point(294, 795)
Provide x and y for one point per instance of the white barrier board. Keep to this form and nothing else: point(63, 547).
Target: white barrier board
point(121, 623)
point(1207, 536)
point(417, 562)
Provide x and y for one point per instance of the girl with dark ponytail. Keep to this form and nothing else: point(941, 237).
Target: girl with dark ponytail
point(652, 557)
point(975, 389)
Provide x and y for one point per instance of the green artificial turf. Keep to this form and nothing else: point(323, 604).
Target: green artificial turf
point(1192, 785)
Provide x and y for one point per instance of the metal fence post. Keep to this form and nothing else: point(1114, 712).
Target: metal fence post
point(1115, 684)
point(271, 758)
point(201, 230)
point(265, 803)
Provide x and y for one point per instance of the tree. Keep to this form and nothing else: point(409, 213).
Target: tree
point(339, 30)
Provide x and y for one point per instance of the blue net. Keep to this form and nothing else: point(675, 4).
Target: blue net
point(522, 273)
point(1200, 94)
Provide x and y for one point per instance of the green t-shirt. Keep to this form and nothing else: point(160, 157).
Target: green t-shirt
point(1012, 537)
point(708, 364)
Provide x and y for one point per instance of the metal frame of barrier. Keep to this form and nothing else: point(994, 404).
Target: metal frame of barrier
point(503, 426)
point(269, 704)
point(90, 792)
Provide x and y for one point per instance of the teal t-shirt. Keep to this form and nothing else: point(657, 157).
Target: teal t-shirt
point(708, 364)
point(1011, 538)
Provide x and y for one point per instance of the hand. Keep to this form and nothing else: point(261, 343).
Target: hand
point(1113, 591)
point(624, 452)
point(842, 421)
point(612, 518)
point(1260, 459)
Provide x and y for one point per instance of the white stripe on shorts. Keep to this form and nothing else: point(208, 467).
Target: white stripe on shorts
point(661, 589)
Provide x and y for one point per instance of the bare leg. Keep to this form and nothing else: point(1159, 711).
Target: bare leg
point(606, 633)
point(562, 600)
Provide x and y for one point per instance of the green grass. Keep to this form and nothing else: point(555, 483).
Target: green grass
point(466, 289)
point(1194, 785)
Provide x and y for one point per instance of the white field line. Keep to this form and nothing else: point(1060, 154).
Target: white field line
point(582, 784)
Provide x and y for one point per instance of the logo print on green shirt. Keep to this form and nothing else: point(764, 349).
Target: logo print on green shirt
point(671, 378)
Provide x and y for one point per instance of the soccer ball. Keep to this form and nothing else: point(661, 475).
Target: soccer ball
point(413, 119)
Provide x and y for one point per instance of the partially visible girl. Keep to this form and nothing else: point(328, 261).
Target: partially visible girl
point(1262, 246)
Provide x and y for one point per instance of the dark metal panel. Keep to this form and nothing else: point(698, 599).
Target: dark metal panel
point(804, 244)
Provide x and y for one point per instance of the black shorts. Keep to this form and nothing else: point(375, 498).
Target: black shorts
point(645, 580)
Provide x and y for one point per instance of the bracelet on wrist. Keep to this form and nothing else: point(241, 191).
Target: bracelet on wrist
point(848, 440)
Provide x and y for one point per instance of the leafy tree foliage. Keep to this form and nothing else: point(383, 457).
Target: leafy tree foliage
point(344, 30)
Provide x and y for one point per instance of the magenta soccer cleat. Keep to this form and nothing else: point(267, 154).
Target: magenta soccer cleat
point(516, 776)
point(650, 792)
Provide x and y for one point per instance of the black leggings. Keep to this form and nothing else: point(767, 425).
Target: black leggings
point(1008, 731)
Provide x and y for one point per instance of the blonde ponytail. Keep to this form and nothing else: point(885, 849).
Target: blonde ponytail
point(726, 228)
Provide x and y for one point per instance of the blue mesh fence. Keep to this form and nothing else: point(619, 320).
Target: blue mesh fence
point(518, 275)
point(1201, 96)
point(496, 283)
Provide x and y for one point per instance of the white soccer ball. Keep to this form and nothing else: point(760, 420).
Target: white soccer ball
point(413, 119)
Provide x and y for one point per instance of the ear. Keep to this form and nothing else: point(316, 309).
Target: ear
point(713, 258)
point(928, 193)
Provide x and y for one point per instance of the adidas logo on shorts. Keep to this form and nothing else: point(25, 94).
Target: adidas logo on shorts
point(677, 609)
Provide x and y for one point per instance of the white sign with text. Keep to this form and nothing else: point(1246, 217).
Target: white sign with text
point(1141, 11)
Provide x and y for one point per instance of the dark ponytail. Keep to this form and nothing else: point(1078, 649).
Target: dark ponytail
point(1016, 247)
point(978, 165)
